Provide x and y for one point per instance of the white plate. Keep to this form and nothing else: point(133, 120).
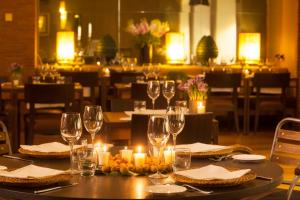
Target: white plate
point(3, 167)
point(249, 157)
point(165, 189)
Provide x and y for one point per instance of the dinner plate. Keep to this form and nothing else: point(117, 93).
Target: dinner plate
point(249, 158)
point(165, 189)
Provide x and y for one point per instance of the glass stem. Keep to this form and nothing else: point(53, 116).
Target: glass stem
point(93, 138)
point(174, 141)
point(72, 167)
point(158, 161)
point(153, 103)
point(168, 101)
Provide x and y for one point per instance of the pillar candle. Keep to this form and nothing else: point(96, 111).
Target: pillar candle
point(139, 158)
point(126, 154)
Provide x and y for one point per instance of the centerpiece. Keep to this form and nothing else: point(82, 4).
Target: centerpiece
point(147, 35)
point(196, 89)
point(16, 71)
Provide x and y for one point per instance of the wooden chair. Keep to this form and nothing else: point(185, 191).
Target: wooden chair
point(286, 147)
point(273, 100)
point(119, 105)
point(88, 80)
point(5, 146)
point(46, 102)
point(197, 128)
point(223, 93)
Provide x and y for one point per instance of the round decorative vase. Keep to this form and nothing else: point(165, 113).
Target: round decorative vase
point(146, 54)
point(197, 106)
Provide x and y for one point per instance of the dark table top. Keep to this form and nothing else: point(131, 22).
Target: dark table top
point(122, 187)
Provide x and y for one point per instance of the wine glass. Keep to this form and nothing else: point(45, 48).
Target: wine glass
point(70, 130)
point(175, 115)
point(92, 120)
point(155, 71)
point(147, 70)
point(158, 135)
point(168, 90)
point(153, 90)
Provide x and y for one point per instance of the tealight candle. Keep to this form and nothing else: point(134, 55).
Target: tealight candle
point(103, 156)
point(139, 157)
point(200, 107)
point(169, 155)
point(126, 154)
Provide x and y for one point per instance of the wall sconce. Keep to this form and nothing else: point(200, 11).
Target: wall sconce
point(63, 14)
point(249, 47)
point(175, 48)
point(65, 46)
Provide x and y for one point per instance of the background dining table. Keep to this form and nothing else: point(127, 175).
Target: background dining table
point(133, 187)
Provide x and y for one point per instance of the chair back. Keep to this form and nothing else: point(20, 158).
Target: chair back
point(123, 77)
point(271, 80)
point(119, 105)
point(223, 79)
point(286, 144)
point(197, 128)
point(88, 80)
point(49, 94)
point(5, 146)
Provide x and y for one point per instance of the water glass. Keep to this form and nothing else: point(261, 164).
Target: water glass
point(36, 79)
point(139, 106)
point(182, 104)
point(182, 159)
point(86, 161)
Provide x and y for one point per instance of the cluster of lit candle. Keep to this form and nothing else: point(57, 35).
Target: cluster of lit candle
point(138, 157)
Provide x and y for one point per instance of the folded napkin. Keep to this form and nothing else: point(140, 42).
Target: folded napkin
point(146, 112)
point(49, 147)
point(201, 147)
point(212, 172)
point(32, 171)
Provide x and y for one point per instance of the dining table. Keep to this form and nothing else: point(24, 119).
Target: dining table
point(269, 176)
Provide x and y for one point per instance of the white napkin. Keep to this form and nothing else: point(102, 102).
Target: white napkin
point(49, 147)
point(32, 171)
point(201, 147)
point(212, 172)
point(147, 112)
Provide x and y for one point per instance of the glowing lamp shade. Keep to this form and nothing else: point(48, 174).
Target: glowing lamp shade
point(65, 46)
point(249, 47)
point(175, 48)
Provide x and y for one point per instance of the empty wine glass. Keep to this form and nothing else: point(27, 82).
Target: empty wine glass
point(155, 71)
point(153, 91)
point(70, 130)
point(168, 90)
point(175, 115)
point(147, 70)
point(158, 135)
point(92, 120)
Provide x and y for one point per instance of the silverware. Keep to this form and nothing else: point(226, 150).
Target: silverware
point(197, 189)
point(54, 188)
point(264, 178)
point(16, 158)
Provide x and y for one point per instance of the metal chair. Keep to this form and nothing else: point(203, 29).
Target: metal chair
point(286, 147)
point(5, 146)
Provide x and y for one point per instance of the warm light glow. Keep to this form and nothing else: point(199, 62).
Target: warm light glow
point(249, 47)
point(139, 149)
point(200, 107)
point(41, 22)
point(90, 30)
point(63, 14)
point(175, 48)
point(104, 148)
point(125, 147)
point(65, 46)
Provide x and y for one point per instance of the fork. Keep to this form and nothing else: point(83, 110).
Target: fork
point(197, 189)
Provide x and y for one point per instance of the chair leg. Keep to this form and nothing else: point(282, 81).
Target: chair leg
point(236, 121)
point(289, 194)
point(256, 119)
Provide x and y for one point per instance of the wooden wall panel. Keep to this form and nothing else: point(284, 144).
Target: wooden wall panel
point(18, 39)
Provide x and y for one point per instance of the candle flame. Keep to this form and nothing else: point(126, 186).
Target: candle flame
point(104, 148)
point(169, 148)
point(125, 148)
point(139, 149)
